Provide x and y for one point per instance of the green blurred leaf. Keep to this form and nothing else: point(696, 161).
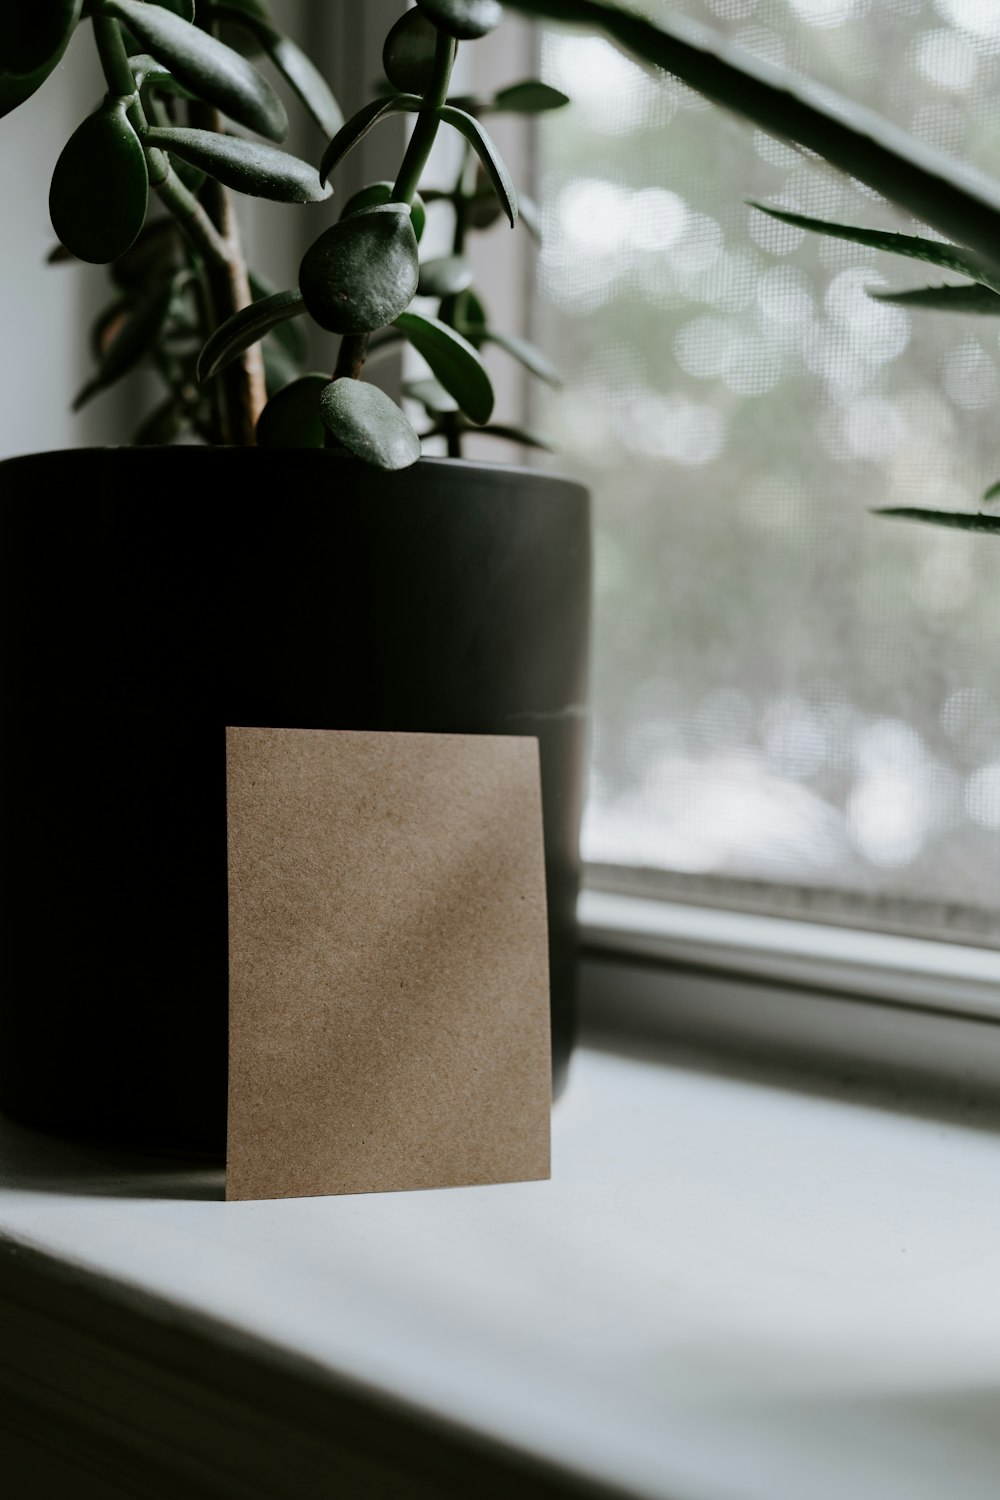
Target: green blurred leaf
point(34, 34)
point(362, 272)
point(135, 338)
point(369, 424)
point(432, 395)
point(100, 187)
point(300, 73)
point(453, 361)
point(409, 52)
point(244, 328)
point(470, 314)
point(497, 172)
point(163, 425)
point(956, 520)
point(525, 353)
point(914, 247)
point(359, 125)
point(291, 418)
point(954, 299)
point(157, 252)
point(212, 71)
point(182, 8)
point(464, 19)
point(522, 435)
point(251, 167)
point(530, 97)
point(279, 367)
point(381, 192)
point(992, 491)
point(445, 276)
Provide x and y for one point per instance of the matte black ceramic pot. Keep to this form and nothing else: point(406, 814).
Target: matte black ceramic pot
point(149, 597)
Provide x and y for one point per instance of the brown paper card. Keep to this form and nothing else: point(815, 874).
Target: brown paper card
point(388, 962)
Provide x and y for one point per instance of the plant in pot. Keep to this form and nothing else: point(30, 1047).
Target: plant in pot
point(292, 559)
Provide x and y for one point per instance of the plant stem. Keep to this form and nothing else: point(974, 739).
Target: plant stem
point(426, 128)
point(351, 356)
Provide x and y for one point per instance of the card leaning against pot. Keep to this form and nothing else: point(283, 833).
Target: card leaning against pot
point(388, 971)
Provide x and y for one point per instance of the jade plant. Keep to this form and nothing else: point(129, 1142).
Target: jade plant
point(181, 73)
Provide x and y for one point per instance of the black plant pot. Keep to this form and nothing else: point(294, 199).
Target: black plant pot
point(149, 597)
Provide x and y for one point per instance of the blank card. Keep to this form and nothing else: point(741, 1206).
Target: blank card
point(388, 962)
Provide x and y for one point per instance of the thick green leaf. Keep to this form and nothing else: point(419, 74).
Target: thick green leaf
point(530, 97)
point(34, 34)
point(369, 424)
point(465, 19)
point(955, 299)
point(453, 361)
point(362, 273)
point(146, 70)
point(212, 71)
point(381, 192)
point(100, 187)
point(182, 8)
point(409, 52)
point(14, 91)
point(491, 159)
point(957, 520)
point(251, 167)
point(359, 125)
point(244, 328)
point(138, 333)
point(290, 333)
point(445, 276)
point(955, 199)
point(915, 247)
point(525, 353)
point(291, 418)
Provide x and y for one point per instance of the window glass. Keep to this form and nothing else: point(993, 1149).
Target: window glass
point(789, 693)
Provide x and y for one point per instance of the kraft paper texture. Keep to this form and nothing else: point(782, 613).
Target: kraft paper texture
point(388, 988)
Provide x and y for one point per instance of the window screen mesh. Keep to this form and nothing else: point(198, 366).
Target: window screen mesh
point(787, 689)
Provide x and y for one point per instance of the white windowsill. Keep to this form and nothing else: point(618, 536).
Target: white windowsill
point(730, 1290)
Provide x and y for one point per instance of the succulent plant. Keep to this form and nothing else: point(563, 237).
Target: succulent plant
point(229, 349)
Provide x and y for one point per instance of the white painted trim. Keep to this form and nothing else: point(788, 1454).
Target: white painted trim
point(913, 972)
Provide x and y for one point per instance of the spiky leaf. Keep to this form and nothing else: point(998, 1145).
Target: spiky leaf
point(246, 327)
point(496, 170)
point(530, 97)
point(956, 200)
point(409, 52)
point(954, 299)
point(445, 276)
point(359, 125)
point(453, 362)
point(291, 418)
point(34, 35)
point(956, 520)
point(211, 70)
point(362, 273)
point(381, 192)
point(913, 246)
point(464, 19)
point(251, 167)
point(100, 187)
point(369, 424)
